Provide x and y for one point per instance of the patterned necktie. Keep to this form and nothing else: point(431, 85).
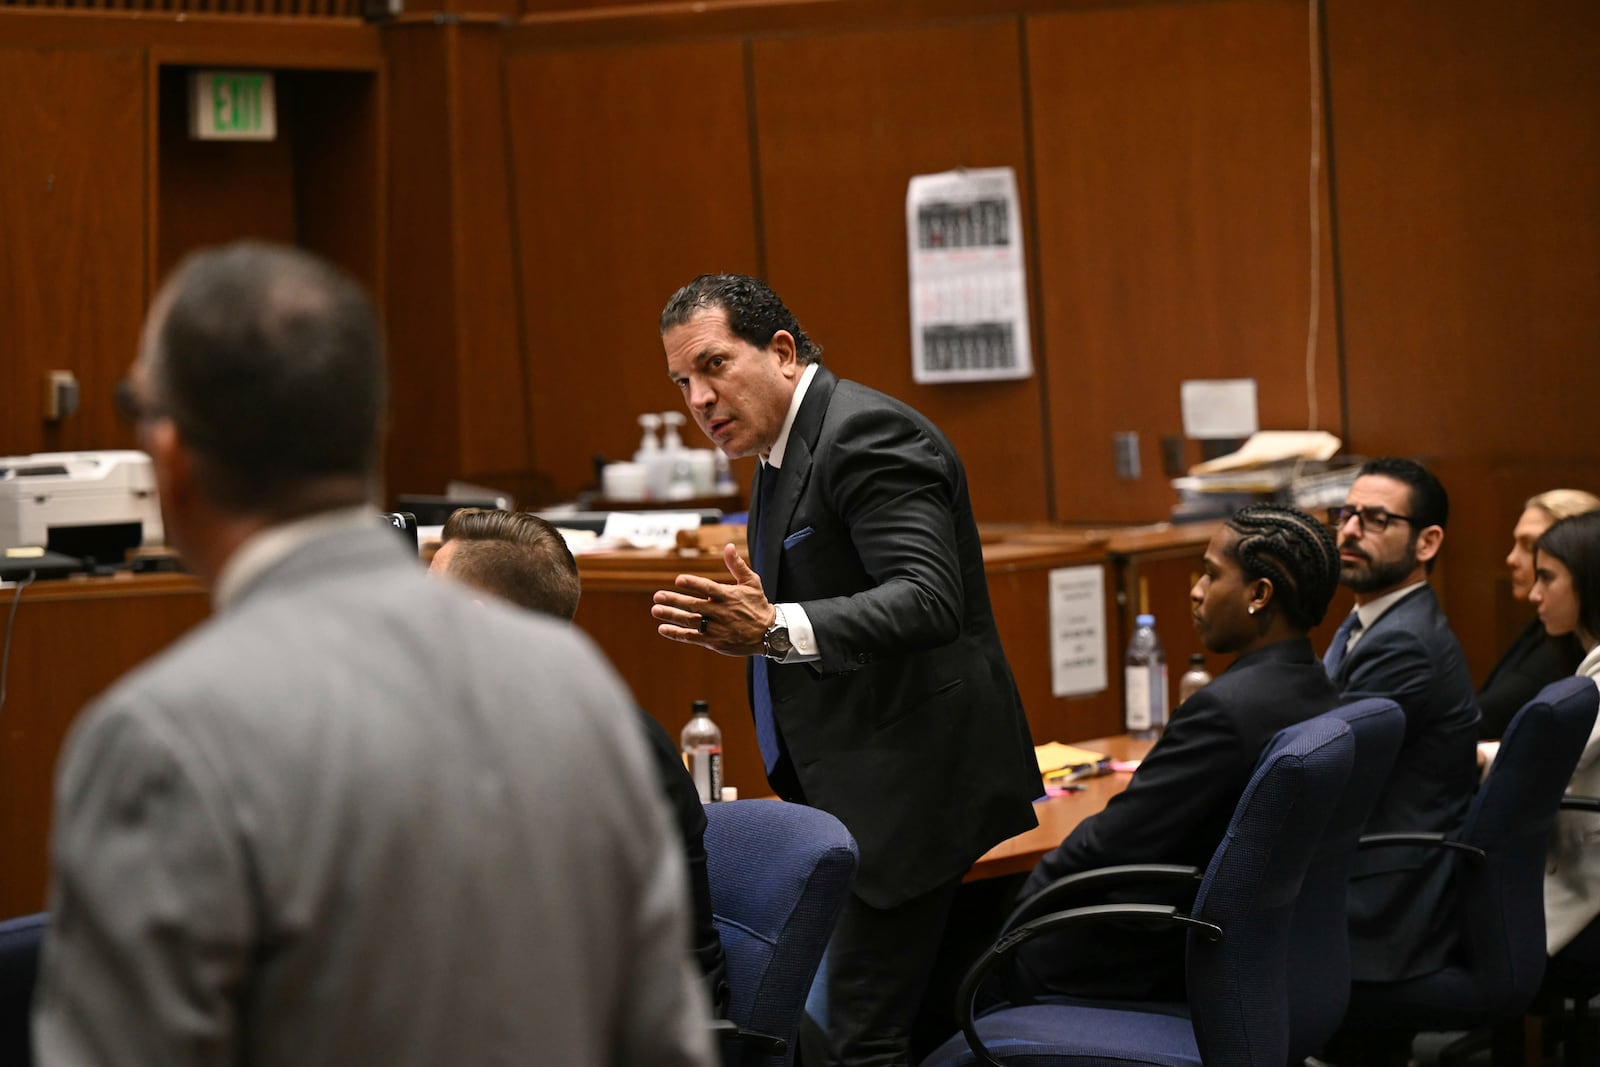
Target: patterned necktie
point(1335, 654)
point(760, 694)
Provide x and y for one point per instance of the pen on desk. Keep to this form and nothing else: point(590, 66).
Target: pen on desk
point(1083, 770)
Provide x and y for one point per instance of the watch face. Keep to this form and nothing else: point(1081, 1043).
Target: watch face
point(778, 640)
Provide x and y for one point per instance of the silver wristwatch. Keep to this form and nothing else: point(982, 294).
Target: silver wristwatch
point(775, 643)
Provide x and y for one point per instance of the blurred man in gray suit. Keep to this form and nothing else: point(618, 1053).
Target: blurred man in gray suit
point(356, 817)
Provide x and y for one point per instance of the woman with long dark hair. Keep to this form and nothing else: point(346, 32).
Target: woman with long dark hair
point(1566, 592)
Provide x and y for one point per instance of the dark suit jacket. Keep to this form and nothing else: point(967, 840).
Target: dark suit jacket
point(1176, 810)
point(909, 728)
point(1533, 661)
point(1401, 917)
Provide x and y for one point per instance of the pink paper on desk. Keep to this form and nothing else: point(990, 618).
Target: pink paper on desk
point(1124, 766)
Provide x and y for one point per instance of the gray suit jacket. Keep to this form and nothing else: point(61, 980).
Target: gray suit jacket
point(1401, 911)
point(358, 818)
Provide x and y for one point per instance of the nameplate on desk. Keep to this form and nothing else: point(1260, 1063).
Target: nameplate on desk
point(649, 529)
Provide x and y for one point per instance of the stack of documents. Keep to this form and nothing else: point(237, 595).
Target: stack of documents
point(1266, 468)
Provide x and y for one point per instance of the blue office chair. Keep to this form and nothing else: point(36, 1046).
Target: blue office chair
point(1498, 877)
point(1273, 893)
point(779, 875)
point(1319, 942)
point(19, 969)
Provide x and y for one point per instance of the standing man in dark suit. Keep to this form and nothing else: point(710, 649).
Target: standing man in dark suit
point(878, 684)
point(1397, 644)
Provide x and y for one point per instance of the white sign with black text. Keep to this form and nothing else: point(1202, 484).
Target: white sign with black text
point(1077, 631)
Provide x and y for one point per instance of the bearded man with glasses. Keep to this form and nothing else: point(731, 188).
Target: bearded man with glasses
point(1397, 644)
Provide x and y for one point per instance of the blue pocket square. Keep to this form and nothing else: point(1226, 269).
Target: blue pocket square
point(798, 536)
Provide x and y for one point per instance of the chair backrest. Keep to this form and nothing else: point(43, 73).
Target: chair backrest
point(1239, 986)
point(19, 969)
point(1319, 939)
point(1501, 899)
point(779, 874)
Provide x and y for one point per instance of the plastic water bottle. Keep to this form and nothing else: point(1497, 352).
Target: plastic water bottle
point(1144, 677)
point(1195, 678)
point(701, 743)
point(725, 485)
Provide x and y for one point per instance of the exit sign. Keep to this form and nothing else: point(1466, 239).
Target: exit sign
point(232, 105)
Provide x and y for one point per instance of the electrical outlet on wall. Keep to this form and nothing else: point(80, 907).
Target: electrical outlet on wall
point(1125, 453)
point(60, 395)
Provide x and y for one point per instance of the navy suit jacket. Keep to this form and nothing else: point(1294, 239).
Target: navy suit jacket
point(1401, 915)
point(909, 728)
point(1176, 810)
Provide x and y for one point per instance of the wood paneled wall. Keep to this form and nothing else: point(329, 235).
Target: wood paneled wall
point(842, 121)
point(73, 133)
point(1469, 224)
point(101, 190)
point(1165, 155)
point(632, 174)
point(1174, 230)
point(1164, 161)
point(535, 185)
point(1467, 178)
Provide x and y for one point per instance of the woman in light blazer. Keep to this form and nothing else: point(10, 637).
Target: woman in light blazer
point(1566, 592)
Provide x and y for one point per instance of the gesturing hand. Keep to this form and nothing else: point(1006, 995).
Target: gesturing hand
point(727, 617)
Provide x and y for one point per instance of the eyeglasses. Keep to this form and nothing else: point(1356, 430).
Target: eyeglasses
point(133, 408)
point(1377, 519)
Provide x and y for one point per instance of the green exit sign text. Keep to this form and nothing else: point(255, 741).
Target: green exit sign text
point(232, 105)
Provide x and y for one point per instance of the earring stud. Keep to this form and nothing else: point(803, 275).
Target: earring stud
point(1251, 609)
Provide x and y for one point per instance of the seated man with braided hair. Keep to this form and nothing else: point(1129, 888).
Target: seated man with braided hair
point(1269, 576)
point(524, 559)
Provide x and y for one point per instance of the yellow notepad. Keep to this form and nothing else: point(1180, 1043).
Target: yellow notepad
point(1056, 757)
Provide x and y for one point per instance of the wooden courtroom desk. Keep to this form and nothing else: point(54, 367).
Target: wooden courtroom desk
point(1059, 816)
point(666, 677)
point(74, 637)
point(71, 639)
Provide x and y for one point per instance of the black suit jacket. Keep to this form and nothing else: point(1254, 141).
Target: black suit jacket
point(1533, 661)
point(909, 727)
point(1176, 810)
point(1401, 915)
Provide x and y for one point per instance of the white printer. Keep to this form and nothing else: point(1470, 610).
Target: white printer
point(76, 489)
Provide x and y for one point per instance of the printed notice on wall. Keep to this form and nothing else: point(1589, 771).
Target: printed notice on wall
point(969, 300)
point(1077, 630)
